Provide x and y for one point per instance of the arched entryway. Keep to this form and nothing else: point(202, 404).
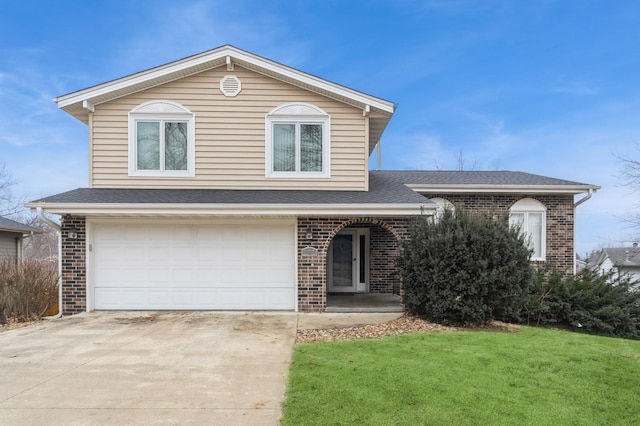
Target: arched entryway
point(374, 241)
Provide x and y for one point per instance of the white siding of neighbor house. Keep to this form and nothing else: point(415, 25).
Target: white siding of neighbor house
point(230, 135)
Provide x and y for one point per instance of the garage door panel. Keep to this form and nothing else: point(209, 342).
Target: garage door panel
point(187, 266)
point(279, 254)
point(231, 275)
point(208, 254)
point(182, 254)
point(232, 254)
point(159, 298)
point(283, 275)
point(107, 252)
point(133, 233)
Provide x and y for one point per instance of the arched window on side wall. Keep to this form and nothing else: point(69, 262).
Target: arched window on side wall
point(530, 216)
point(443, 205)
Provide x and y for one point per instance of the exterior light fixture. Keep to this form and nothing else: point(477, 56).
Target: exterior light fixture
point(72, 233)
point(308, 234)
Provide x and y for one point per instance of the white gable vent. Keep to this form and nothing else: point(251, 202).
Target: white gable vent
point(230, 85)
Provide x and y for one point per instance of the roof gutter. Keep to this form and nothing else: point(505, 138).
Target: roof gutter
point(58, 229)
point(585, 198)
point(506, 189)
point(231, 209)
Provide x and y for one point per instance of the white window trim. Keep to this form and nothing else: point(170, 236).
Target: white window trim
point(527, 206)
point(161, 110)
point(298, 113)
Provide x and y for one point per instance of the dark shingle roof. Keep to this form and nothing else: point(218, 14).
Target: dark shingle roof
point(382, 191)
point(385, 187)
point(455, 177)
point(17, 227)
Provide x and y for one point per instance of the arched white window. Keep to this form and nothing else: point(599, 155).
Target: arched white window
point(530, 216)
point(443, 205)
point(297, 142)
point(161, 140)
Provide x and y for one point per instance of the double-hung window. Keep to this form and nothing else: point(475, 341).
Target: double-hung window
point(529, 216)
point(297, 142)
point(161, 140)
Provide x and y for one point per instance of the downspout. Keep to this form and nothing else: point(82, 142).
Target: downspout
point(58, 229)
point(586, 197)
point(19, 249)
point(576, 204)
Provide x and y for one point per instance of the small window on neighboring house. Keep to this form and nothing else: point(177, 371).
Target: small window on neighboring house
point(443, 205)
point(297, 142)
point(161, 140)
point(530, 216)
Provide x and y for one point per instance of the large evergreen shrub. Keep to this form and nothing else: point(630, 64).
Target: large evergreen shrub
point(465, 268)
point(588, 301)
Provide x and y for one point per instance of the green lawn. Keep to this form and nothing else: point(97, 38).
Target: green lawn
point(535, 376)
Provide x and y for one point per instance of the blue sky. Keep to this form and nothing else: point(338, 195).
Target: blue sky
point(546, 87)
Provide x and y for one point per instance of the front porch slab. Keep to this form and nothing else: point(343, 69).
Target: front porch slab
point(364, 302)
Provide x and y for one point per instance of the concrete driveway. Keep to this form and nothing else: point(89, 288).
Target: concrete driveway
point(154, 368)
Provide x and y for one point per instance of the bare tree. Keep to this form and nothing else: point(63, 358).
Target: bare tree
point(461, 163)
point(42, 246)
point(630, 174)
point(36, 246)
point(9, 204)
point(630, 171)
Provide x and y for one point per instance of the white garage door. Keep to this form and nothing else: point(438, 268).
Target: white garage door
point(193, 266)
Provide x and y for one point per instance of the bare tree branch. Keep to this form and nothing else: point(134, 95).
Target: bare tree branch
point(461, 162)
point(9, 204)
point(630, 171)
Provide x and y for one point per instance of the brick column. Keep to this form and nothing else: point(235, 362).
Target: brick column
point(74, 266)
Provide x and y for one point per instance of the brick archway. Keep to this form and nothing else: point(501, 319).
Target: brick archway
point(371, 220)
point(312, 252)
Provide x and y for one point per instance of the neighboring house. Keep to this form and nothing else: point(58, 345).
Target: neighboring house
point(12, 236)
point(622, 260)
point(228, 181)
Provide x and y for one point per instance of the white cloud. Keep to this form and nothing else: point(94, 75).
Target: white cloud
point(185, 29)
point(577, 88)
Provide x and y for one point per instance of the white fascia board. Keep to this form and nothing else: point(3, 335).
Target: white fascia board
point(317, 82)
point(147, 209)
point(181, 65)
point(132, 80)
point(520, 189)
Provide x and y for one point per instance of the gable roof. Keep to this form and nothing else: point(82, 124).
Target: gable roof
point(621, 257)
point(81, 102)
point(454, 181)
point(9, 225)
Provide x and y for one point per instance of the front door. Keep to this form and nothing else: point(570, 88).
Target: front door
point(348, 261)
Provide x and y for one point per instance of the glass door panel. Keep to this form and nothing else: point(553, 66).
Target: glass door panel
point(342, 266)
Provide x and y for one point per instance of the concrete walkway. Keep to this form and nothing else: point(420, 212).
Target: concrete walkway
point(154, 368)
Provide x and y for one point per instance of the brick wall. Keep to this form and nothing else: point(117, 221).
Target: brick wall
point(74, 266)
point(560, 219)
point(312, 270)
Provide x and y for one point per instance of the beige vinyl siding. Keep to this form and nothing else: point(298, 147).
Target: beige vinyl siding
point(230, 135)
